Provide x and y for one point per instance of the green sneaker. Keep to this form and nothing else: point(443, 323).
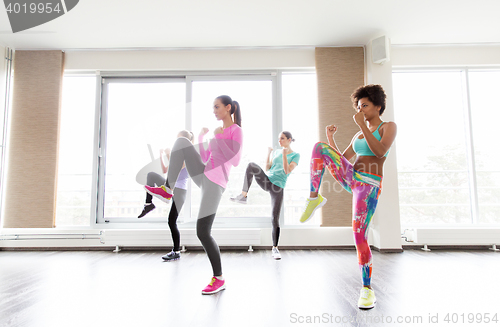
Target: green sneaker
point(366, 299)
point(311, 206)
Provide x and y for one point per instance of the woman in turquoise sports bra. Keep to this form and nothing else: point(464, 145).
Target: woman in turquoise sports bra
point(279, 164)
point(363, 178)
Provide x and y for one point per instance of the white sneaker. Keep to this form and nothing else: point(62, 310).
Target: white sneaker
point(239, 199)
point(276, 253)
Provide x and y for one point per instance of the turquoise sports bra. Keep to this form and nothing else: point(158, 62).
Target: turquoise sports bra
point(361, 147)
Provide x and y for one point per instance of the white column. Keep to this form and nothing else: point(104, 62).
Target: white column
point(386, 226)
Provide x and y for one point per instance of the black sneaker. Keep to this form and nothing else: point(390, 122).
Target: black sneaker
point(147, 208)
point(172, 255)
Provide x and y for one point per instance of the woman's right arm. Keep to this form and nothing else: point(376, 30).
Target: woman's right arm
point(330, 130)
point(204, 154)
point(348, 152)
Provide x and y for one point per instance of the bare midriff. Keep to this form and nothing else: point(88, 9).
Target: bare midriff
point(370, 164)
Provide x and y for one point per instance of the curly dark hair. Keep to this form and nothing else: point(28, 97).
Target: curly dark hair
point(374, 92)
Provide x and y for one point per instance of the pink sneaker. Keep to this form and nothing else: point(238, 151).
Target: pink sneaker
point(216, 285)
point(162, 192)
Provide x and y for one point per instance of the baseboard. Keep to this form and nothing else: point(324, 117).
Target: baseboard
point(387, 250)
point(198, 248)
point(163, 248)
point(448, 247)
point(75, 248)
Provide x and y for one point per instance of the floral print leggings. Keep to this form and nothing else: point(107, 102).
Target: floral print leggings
point(365, 188)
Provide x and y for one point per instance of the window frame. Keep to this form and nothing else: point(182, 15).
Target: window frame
point(101, 146)
point(8, 89)
point(97, 203)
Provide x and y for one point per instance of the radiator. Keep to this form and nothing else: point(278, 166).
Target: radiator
point(224, 237)
point(457, 236)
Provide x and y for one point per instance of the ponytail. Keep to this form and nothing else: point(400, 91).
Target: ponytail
point(288, 135)
point(235, 107)
point(236, 112)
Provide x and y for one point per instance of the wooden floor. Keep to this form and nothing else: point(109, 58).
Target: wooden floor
point(131, 288)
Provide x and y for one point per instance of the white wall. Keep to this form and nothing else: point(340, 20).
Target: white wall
point(386, 224)
point(386, 227)
point(189, 60)
point(193, 60)
point(458, 55)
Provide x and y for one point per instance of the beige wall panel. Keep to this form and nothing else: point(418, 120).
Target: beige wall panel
point(339, 71)
point(33, 147)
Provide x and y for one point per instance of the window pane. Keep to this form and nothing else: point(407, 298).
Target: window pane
point(255, 99)
point(432, 160)
point(300, 117)
point(485, 116)
point(138, 114)
point(74, 181)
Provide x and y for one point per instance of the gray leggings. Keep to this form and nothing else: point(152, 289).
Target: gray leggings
point(183, 151)
point(276, 192)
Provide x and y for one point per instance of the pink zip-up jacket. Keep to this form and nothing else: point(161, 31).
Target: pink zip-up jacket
point(224, 151)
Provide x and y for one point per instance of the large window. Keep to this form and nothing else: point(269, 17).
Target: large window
point(76, 149)
point(139, 116)
point(446, 168)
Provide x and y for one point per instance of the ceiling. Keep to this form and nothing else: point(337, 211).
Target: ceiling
point(149, 24)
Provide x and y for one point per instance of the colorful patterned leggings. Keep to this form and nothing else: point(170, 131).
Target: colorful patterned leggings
point(365, 189)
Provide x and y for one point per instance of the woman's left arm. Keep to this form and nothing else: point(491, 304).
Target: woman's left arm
point(379, 148)
point(288, 168)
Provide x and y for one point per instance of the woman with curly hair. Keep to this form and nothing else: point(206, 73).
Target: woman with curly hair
point(363, 178)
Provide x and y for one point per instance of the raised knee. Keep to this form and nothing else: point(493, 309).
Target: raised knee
point(180, 143)
point(319, 145)
point(253, 168)
point(151, 175)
